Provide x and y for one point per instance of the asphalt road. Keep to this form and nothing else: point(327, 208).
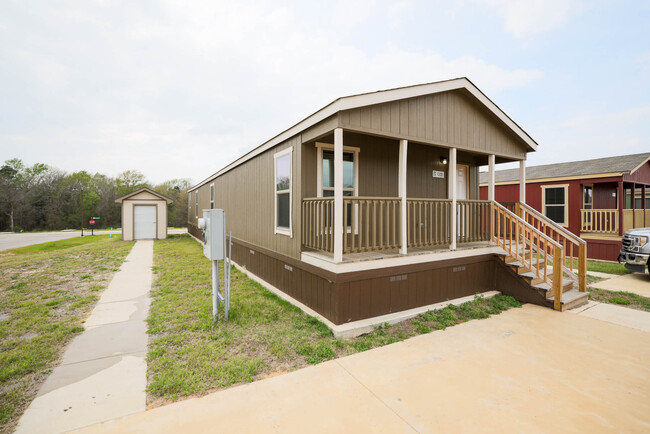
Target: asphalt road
point(13, 241)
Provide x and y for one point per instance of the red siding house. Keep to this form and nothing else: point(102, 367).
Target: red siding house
point(598, 200)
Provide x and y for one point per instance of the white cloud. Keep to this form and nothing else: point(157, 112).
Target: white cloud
point(183, 90)
point(525, 18)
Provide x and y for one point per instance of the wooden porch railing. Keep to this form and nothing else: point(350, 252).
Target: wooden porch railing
point(372, 223)
point(601, 221)
point(317, 223)
point(573, 247)
point(473, 220)
point(529, 246)
point(428, 222)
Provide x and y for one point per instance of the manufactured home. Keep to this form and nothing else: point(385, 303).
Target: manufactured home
point(597, 199)
point(370, 206)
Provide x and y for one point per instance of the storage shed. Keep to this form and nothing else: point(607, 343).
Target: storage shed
point(144, 215)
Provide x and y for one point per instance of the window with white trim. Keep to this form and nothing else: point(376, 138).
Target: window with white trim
point(325, 170)
point(211, 196)
point(282, 173)
point(196, 204)
point(555, 203)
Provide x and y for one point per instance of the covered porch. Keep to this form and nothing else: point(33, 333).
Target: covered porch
point(381, 197)
point(612, 208)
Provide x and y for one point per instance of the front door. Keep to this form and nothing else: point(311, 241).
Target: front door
point(462, 182)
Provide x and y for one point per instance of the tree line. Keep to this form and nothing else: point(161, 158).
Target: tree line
point(41, 197)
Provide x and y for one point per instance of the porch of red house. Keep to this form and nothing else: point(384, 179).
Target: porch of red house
point(632, 210)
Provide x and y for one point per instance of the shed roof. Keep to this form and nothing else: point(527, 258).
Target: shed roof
point(379, 97)
point(143, 190)
point(616, 166)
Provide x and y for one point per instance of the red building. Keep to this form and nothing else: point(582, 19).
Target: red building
point(598, 200)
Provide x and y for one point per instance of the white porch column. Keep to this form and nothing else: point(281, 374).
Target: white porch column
point(452, 191)
point(403, 147)
point(338, 195)
point(491, 160)
point(522, 181)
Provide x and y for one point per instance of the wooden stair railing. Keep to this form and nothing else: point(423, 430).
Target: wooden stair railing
point(530, 246)
point(571, 243)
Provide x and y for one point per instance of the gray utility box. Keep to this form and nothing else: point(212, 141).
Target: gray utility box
point(213, 224)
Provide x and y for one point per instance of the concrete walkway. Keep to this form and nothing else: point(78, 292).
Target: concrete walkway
point(636, 319)
point(636, 283)
point(103, 372)
point(525, 370)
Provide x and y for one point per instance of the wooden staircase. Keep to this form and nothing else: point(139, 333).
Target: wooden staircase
point(531, 246)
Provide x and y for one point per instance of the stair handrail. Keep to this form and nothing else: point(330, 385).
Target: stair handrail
point(582, 246)
point(556, 282)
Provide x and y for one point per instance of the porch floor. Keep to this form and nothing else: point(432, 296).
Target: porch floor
point(394, 253)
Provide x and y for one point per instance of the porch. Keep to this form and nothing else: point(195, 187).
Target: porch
point(361, 210)
point(607, 212)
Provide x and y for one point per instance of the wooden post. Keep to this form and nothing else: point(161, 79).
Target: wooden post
point(621, 205)
point(491, 160)
point(403, 147)
point(452, 191)
point(522, 181)
point(633, 204)
point(338, 195)
point(557, 278)
point(582, 267)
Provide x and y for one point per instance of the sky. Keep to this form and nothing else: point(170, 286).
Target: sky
point(179, 89)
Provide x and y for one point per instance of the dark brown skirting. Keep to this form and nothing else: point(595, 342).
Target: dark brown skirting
point(353, 296)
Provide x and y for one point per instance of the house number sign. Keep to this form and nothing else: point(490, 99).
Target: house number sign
point(438, 174)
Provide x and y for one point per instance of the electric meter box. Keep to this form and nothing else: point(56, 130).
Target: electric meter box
point(214, 229)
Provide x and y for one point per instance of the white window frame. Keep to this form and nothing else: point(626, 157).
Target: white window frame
point(196, 204)
point(282, 230)
point(319, 167)
point(212, 196)
point(566, 202)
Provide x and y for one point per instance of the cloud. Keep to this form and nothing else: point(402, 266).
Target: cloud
point(182, 90)
point(526, 18)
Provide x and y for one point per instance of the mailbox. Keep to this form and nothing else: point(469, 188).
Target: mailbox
point(213, 224)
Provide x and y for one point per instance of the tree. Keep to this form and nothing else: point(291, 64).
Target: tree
point(15, 181)
point(176, 190)
point(129, 181)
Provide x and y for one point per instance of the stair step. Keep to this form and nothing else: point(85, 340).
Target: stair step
point(567, 285)
point(572, 299)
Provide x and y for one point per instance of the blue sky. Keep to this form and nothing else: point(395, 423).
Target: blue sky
point(179, 89)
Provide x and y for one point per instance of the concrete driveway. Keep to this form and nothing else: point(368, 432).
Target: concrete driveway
point(13, 241)
point(525, 370)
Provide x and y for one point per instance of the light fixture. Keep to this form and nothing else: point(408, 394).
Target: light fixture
point(443, 160)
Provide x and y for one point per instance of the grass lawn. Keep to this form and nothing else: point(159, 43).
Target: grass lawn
point(621, 298)
point(191, 355)
point(46, 293)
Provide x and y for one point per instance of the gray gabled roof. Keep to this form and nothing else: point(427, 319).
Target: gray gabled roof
point(620, 164)
point(379, 97)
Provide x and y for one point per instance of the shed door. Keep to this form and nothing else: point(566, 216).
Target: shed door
point(144, 221)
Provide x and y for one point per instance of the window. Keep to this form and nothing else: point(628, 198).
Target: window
point(283, 161)
point(211, 196)
point(325, 170)
point(555, 203)
point(196, 203)
point(587, 200)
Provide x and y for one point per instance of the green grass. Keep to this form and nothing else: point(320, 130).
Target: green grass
point(626, 299)
point(600, 266)
point(46, 292)
point(189, 354)
point(61, 244)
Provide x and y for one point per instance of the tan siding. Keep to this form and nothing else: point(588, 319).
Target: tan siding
point(422, 161)
point(451, 119)
point(246, 193)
